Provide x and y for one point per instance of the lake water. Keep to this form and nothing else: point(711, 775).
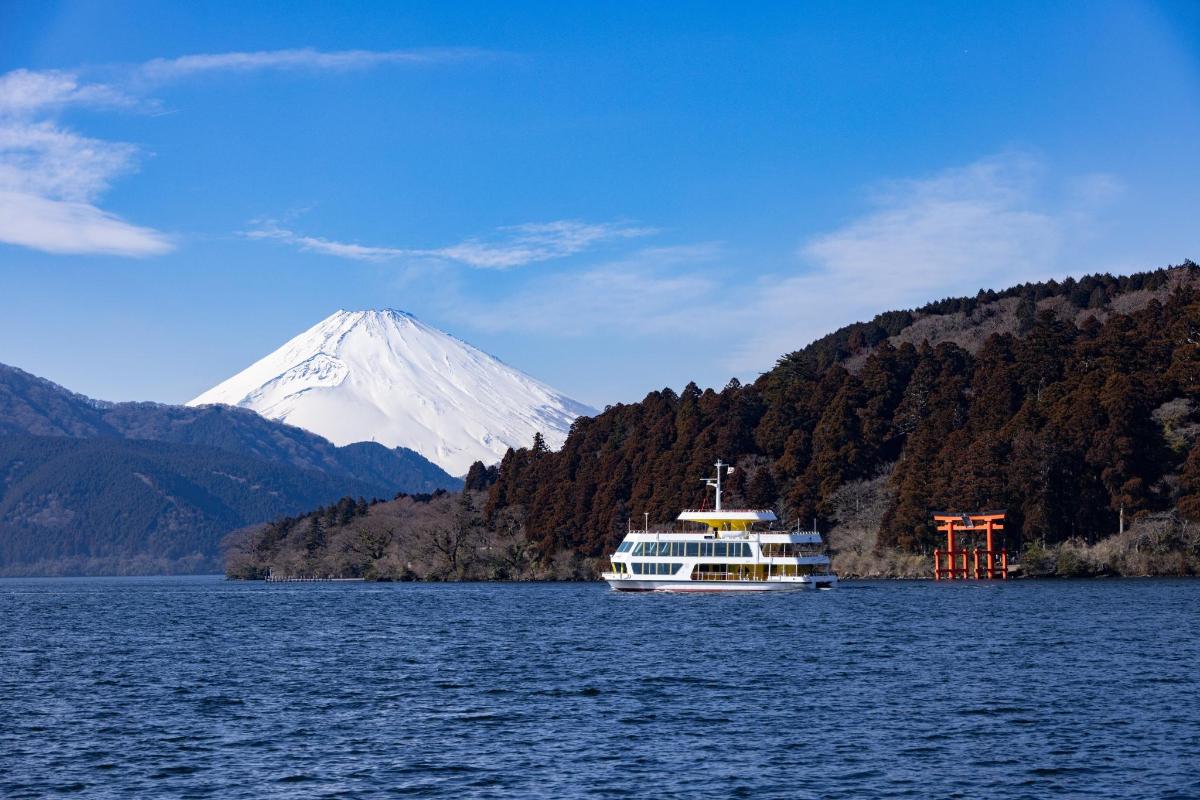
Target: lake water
point(195, 687)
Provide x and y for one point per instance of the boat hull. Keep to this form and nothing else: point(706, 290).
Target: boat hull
point(790, 584)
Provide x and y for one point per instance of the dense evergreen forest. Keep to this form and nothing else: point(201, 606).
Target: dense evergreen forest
point(1061, 402)
point(1070, 404)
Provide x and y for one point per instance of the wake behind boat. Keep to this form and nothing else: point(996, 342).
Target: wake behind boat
point(720, 550)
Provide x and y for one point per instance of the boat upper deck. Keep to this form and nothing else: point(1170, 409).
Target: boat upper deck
point(763, 536)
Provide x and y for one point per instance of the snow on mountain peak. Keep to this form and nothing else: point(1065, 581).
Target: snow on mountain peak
point(383, 375)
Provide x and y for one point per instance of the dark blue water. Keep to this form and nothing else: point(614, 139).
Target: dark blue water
point(202, 688)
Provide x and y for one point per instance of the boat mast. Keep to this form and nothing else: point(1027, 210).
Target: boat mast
point(716, 483)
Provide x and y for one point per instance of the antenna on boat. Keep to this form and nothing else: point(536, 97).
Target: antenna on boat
point(715, 483)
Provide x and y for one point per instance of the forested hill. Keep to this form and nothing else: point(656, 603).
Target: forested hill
point(34, 406)
point(1062, 402)
point(88, 487)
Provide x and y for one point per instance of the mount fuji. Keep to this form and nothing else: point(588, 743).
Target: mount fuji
point(385, 376)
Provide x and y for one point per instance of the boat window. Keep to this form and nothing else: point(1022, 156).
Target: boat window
point(706, 549)
point(642, 568)
point(722, 549)
point(693, 549)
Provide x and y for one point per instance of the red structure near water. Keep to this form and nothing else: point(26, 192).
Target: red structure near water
point(966, 563)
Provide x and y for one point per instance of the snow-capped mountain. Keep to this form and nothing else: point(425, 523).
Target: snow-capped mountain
point(385, 376)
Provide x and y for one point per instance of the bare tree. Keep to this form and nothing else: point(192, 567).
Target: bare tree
point(455, 539)
point(372, 544)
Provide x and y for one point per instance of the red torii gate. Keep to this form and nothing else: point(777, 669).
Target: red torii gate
point(951, 564)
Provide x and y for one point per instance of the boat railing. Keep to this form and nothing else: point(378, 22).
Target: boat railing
point(808, 552)
point(699, 527)
point(728, 511)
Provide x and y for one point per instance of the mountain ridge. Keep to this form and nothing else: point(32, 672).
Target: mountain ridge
point(383, 375)
point(67, 460)
point(32, 405)
point(103, 506)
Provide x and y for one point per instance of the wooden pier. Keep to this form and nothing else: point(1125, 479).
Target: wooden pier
point(273, 578)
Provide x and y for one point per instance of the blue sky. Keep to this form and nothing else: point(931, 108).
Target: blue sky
point(612, 198)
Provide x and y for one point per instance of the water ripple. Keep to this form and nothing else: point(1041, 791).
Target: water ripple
point(202, 688)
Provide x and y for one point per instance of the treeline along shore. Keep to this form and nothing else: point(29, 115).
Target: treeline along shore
point(1074, 405)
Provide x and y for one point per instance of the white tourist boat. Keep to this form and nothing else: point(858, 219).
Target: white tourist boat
point(722, 550)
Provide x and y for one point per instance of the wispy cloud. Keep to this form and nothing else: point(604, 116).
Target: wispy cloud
point(26, 92)
point(51, 176)
point(49, 179)
point(71, 227)
point(511, 246)
point(161, 69)
point(655, 290)
point(989, 224)
point(44, 159)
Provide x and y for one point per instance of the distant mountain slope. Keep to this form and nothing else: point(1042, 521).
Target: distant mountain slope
point(385, 376)
point(103, 505)
point(35, 406)
point(96, 487)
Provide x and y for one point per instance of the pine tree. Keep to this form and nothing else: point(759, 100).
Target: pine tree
point(762, 492)
point(1026, 313)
